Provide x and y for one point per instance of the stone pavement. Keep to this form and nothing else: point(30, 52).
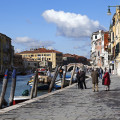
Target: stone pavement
point(70, 104)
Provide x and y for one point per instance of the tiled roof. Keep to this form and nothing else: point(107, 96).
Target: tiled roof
point(73, 55)
point(40, 50)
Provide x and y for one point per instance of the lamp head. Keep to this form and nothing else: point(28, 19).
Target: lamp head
point(109, 13)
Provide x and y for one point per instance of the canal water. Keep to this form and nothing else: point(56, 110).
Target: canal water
point(21, 85)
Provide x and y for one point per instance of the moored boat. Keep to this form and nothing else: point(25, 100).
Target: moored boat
point(43, 80)
point(19, 99)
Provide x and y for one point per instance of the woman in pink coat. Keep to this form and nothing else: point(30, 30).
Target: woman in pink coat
point(106, 78)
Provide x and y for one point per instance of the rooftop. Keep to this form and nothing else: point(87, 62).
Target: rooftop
point(40, 50)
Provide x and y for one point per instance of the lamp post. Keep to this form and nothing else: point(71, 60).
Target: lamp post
point(109, 12)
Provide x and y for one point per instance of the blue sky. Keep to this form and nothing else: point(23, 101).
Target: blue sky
point(63, 25)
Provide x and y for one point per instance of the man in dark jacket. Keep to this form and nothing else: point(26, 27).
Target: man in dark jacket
point(81, 78)
point(95, 76)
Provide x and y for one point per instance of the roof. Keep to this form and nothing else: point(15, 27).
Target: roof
point(72, 55)
point(40, 50)
point(1, 34)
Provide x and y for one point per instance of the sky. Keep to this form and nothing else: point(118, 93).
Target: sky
point(62, 25)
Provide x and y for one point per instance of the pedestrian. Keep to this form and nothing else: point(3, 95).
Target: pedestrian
point(80, 79)
point(107, 80)
point(109, 71)
point(48, 73)
point(61, 72)
point(95, 76)
point(100, 72)
point(83, 77)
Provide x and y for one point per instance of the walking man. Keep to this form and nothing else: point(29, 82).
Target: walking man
point(83, 77)
point(80, 79)
point(95, 76)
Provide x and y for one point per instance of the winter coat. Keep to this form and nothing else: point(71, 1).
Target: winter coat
point(81, 76)
point(106, 78)
point(94, 76)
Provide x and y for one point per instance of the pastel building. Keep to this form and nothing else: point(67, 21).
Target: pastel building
point(99, 45)
point(43, 54)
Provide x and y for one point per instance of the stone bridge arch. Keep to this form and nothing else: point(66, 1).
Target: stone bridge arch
point(71, 65)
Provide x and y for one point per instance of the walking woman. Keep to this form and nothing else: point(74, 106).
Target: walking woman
point(107, 81)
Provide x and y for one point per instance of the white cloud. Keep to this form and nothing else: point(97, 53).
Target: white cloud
point(71, 24)
point(22, 40)
point(32, 43)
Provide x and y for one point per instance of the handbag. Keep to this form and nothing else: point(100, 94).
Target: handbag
point(103, 81)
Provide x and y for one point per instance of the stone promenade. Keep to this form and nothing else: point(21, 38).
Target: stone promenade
point(70, 104)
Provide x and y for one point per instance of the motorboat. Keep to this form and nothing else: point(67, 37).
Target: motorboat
point(43, 80)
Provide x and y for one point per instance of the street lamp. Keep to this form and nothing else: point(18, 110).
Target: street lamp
point(109, 12)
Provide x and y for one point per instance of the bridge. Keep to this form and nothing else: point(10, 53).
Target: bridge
point(71, 65)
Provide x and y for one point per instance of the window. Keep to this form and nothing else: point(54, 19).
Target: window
point(48, 54)
point(49, 59)
point(39, 54)
point(98, 53)
point(99, 43)
point(95, 36)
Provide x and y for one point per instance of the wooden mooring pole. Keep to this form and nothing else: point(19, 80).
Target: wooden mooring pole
point(36, 83)
point(5, 81)
point(33, 87)
point(72, 75)
point(64, 75)
point(53, 79)
point(12, 87)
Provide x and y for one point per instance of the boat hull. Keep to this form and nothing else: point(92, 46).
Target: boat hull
point(19, 99)
point(41, 86)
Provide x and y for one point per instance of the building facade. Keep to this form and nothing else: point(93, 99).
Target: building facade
point(114, 47)
point(43, 54)
point(99, 45)
point(6, 53)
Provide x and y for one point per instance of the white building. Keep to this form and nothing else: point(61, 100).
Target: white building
point(99, 43)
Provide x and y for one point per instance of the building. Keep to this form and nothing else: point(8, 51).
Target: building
point(72, 58)
point(30, 64)
point(68, 58)
point(43, 54)
point(99, 49)
point(17, 61)
point(6, 53)
point(114, 47)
